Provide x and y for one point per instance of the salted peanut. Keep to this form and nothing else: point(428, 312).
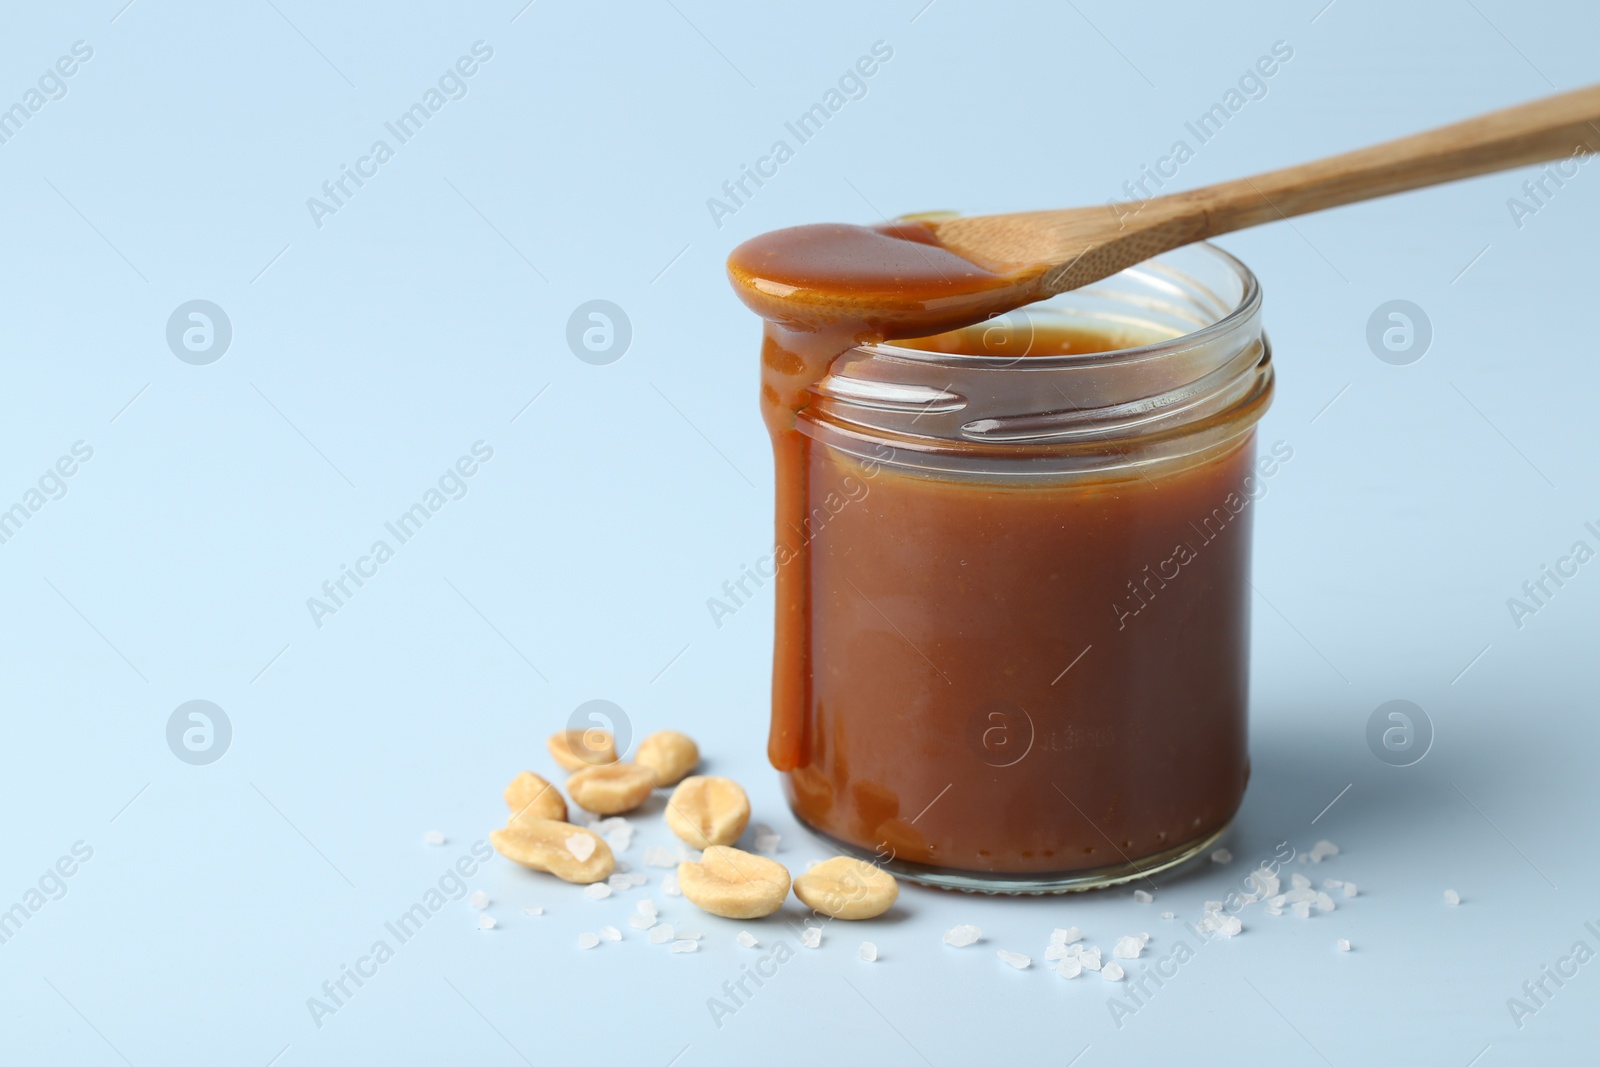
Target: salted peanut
point(734, 884)
point(569, 852)
point(611, 789)
point(531, 797)
point(847, 888)
point(577, 749)
point(669, 755)
point(707, 810)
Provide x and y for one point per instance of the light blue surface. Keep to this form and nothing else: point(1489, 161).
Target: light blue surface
point(372, 352)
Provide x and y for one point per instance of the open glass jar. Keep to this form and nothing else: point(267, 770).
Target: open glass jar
point(1027, 604)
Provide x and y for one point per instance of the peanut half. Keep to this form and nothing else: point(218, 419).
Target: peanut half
point(734, 884)
point(577, 749)
point(569, 852)
point(707, 810)
point(529, 796)
point(847, 888)
point(611, 788)
point(669, 755)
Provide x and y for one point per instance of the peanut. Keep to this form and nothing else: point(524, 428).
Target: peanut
point(611, 788)
point(569, 852)
point(577, 749)
point(706, 810)
point(847, 888)
point(669, 755)
point(734, 884)
point(529, 796)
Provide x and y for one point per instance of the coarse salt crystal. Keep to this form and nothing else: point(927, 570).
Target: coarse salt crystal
point(669, 885)
point(689, 935)
point(1211, 905)
point(1056, 951)
point(660, 934)
point(1231, 925)
point(1274, 912)
point(486, 922)
point(868, 952)
point(1015, 959)
point(1301, 908)
point(1343, 944)
point(1322, 850)
point(1349, 889)
point(645, 907)
point(641, 922)
point(1451, 897)
point(1112, 972)
point(1059, 936)
point(1222, 855)
point(766, 838)
point(686, 946)
point(581, 846)
point(531, 910)
point(812, 937)
point(433, 837)
point(620, 840)
point(1127, 948)
point(611, 933)
point(962, 936)
point(619, 881)
point(1145, 938)
point(1090, 958)
point(656, 856)
point(747, 939)
point(1168, 915)
point(587, 940)
point(1299, 881)
point(1331, 883)
point(1324, 902)
point(479, 899)
point(1069, 968)
point(597, 891)
point(1142, 897)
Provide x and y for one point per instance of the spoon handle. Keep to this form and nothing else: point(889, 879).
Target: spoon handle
point(1551, 128)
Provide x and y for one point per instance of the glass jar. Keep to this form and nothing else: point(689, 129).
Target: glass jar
point(1027, 604)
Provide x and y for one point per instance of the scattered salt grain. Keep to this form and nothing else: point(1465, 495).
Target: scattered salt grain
point(1112, 972)
point(1331, 883)
point(656, 856)
point(1343, 944)
point(433, 837)
point(1142, 897)
point(641, 922)
point(531, 910)
point(1144, 938)
point(747, 939)
point(1299, 881)
point(766, 838)
point(1057, 951)
point(645, 907)
point(1323, 850)
point(1211, 906)
point(620, 840)
point(1059, 936)
point(1451, 897)
point(689, 935)
point(611, 933)
point(587, 940)
point(868, 952)
point(660, 934)
point(812, 938)
point(1127, 948)
point(1168, 915)
point(1014, 959)
point(962, 936)
point(1301, 908)
point(1090, 958)
point(1324, 902)
point(486, 922)
point(1349, 889)
point(1231, 925)
point(479, 899)
point(581, 846)
point(1222, 855)
point(686, 946)
point(1069, 968)
point(597, 891)
point(669, 885)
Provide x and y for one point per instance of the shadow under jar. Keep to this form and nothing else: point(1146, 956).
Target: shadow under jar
point(1026, 552)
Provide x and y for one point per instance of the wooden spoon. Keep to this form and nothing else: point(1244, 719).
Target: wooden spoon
point(1061, 250)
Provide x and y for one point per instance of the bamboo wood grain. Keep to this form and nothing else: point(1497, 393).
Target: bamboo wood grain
point(1076, 246)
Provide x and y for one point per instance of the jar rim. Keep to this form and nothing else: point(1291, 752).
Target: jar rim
point(1248, 303)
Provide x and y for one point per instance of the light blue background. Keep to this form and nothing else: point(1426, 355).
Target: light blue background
point(370, 353)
